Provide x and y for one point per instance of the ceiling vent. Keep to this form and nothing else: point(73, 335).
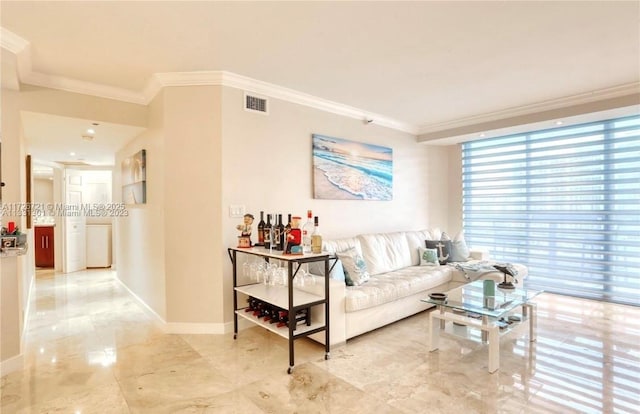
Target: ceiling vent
point(255, 103)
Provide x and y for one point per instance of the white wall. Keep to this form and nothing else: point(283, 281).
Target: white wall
point(192, 206)
point(15, 272)
point(267, 165)
point(454, 224)
point(42, 190)
point(170, 249)
point(139, 237)
point(205, 152)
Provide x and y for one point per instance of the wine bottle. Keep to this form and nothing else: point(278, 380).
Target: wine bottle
point(307, 229)
point(283, 318)
point(274, 233)
point(285, 234)
point(280, 234)
point(316, 238)
point(267, 233)
point(261, 225)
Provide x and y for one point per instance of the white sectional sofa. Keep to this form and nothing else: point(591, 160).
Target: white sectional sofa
point(397, 281)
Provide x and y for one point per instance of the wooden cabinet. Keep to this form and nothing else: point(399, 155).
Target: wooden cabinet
point(43, 241)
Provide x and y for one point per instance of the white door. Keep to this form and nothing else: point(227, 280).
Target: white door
point(74, 224)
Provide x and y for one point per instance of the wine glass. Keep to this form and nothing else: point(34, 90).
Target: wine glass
point(283, 276)
point(300, 277)
point(273, 274)
point(246, 270)
point(261, 274)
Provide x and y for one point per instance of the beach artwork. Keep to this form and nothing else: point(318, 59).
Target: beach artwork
point(349, 170)
point(134, 178)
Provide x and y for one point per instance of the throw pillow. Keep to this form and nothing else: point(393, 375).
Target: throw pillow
point(355, 269)
point(428, 257)
point(459, 250)
point(317, 269)
point(443, 247)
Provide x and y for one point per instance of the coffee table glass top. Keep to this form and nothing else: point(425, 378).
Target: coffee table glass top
point(470, 298)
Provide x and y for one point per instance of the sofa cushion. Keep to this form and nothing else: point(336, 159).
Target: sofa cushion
point(335, 246)
point(387, 287)
point(443, 247)
point(385, 252)
point(416, 239)
point(459, 250)
point(355, 269)
point(428, 257)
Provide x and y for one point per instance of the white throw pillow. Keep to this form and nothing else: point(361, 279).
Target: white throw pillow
point(355, 269)
point(428, 257)
point(459, 250)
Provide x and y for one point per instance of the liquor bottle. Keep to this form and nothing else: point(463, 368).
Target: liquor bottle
point(280, 234)
point(261, 225)
point(267, 233)
point(307, 229)
point(286, 232)
point(316, 238)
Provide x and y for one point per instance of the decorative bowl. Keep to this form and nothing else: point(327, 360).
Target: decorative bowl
point(438, 296)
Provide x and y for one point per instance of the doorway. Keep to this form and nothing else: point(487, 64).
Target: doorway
point(67, 212)
point(44, 219)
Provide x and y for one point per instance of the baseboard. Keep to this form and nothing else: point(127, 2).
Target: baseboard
point(195, 328)
point(181, 327)
point(25, 322)
point(147, 308)
point(12, 364)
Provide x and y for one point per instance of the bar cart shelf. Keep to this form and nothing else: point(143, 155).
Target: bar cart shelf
point(287, 297)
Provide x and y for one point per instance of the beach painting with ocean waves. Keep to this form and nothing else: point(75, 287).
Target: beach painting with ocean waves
point(349, 170)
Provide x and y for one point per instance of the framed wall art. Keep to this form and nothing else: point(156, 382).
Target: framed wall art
point(134, 178)
point(350, 170)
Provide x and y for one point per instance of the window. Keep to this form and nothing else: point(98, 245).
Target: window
point(563, 201)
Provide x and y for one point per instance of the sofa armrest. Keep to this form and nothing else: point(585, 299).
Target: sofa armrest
point(480, 254)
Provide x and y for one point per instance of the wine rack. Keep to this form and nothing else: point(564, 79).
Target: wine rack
point(270, 306)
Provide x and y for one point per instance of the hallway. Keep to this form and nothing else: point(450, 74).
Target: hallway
point(91, 348)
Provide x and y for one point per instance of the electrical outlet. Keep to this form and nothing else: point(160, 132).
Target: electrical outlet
point(236, 210)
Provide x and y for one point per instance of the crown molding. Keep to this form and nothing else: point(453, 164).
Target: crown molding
point(82, 87)
point(233, 80)
point(550, 105)
point(12, 42)
point(21, 48)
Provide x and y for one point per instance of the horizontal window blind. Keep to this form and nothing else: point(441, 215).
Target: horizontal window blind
point(563, 201)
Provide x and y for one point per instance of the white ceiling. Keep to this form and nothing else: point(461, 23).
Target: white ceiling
point(425, 65)
point(60, 139)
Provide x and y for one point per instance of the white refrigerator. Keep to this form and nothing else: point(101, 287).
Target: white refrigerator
point(98, 245)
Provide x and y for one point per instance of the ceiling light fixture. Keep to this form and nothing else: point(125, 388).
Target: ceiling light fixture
point(558, 122)
point(91, 131)
point(72, 154)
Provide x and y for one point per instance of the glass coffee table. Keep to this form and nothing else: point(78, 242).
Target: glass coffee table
point(493, 316)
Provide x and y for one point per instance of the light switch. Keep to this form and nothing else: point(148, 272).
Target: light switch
point(236, 210)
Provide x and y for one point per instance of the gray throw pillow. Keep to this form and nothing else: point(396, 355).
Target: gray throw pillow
point(443, 247)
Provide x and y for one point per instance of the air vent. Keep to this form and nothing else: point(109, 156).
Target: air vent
point(255, 104)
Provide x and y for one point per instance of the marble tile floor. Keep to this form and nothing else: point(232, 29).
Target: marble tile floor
point(91, 348)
